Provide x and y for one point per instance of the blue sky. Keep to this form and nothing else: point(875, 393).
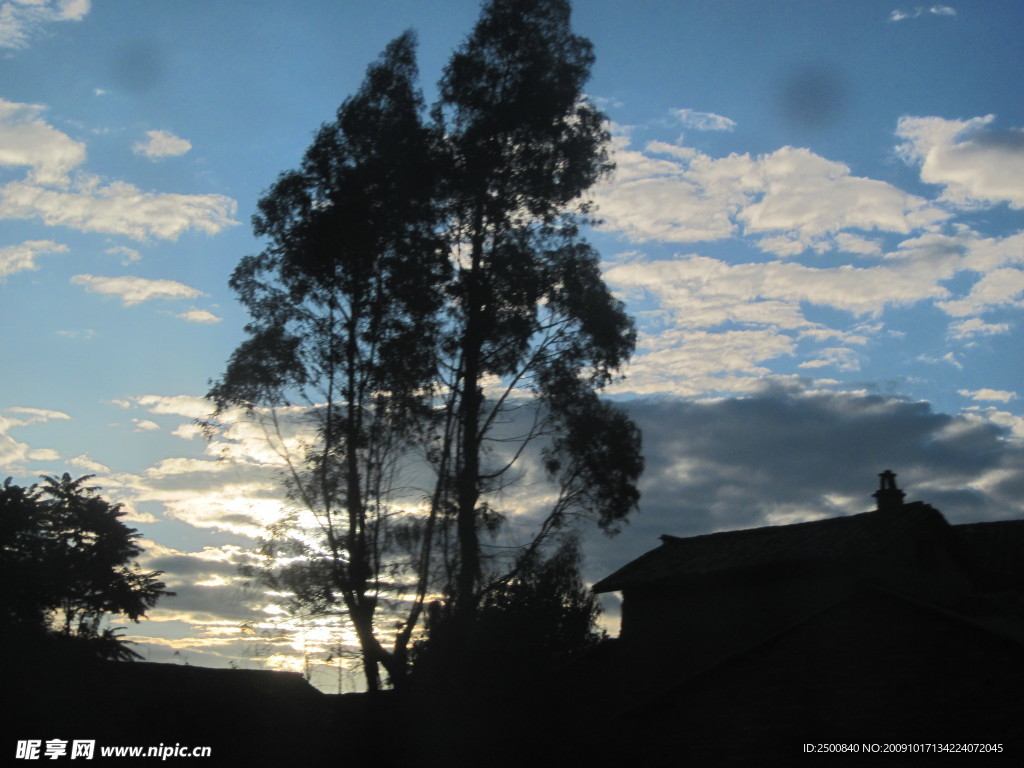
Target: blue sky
point(816, 220)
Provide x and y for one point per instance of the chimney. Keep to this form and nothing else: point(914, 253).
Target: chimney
point(888, 495)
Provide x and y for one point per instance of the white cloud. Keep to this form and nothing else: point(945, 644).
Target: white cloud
point(259, 441)
point(26, 140)
point(117, 208)
point(703, 291)
point(200, 316)
point(704, 121)
point(43, 454)
point(935, 10)
point(975, 164)
point(234, 488)
point(862, 246)
point(37, 415)
point(792, 197)
point(652, 199)
point(230, 496)
point(187, 406)
point(128, 255)
point(695, 362)
point(997, 395)
point(948, 358)
point(1000, 287)
point(13, 452)
point(135, 290)
point(18, 258)
point(809, 197)
point(986, 254)
point(161, 144)
point(86, 202)
point(764, 307)
point(20, 19)
point(88, 464)
point(789, 203)
point(675, 150)
point(187, 431)
point(1009, 421)
point(838, 357)
point(974, 326)
point(82, 333)
point(995, 261)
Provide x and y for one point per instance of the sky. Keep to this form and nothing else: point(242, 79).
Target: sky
point(815, 220)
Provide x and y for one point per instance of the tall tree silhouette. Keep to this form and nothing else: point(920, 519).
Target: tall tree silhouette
point(529, 306)
point(344, 302)
point(408, 264)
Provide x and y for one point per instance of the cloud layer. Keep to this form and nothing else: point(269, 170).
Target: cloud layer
point(789, 200)
point(116, 208)
point(975, 164)
point(57, 194)
point(936, 10)
point(18, 258)
point(160, 144)
point(135, 290)
point(809, 236)
point(26, 140)
point(20, 20)
point(13, 454)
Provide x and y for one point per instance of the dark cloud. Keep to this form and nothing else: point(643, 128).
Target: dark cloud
point(190, 567)
point(786, 455)
point(1009, 489)
point(233, 603)
point(1011, 140)
point(203, 475)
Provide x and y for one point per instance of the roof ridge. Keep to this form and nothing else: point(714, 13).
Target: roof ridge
point(668, 538)
point(860, 535)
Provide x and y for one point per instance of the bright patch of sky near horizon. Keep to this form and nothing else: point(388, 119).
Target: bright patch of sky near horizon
point(817, 207)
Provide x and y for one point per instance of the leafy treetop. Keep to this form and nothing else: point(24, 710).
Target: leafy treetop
point(67, 561)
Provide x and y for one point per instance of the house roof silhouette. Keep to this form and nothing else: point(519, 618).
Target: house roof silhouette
point(867, 536)
point(863, 625)
point(990, 554)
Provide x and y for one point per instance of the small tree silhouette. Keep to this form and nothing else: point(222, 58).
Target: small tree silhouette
point(526, 630)
point(66, 562)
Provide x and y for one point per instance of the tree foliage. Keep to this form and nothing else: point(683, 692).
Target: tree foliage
point(426, 299)
point(67, 562)
point(530, 308)
point(344, 301)
point(525, 630)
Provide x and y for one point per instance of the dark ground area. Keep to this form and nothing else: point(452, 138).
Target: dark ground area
point(754, 711)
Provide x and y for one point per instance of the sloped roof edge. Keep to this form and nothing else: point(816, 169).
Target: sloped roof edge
point(830, 539)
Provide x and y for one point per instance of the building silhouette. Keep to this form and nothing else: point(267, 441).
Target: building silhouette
point(887, 625)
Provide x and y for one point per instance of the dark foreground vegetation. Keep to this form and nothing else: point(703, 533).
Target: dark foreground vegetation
point(886, 638)
point(760, 708)
point(67, 562)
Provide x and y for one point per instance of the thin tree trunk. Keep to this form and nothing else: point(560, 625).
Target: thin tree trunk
point(467, 480)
